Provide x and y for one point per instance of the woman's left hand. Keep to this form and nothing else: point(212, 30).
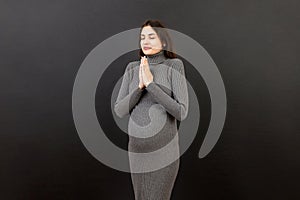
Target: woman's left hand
point(146, 73)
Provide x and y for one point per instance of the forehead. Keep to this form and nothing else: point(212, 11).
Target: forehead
point(148, 30)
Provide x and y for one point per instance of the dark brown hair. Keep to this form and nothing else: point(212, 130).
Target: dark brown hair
point(163, 35)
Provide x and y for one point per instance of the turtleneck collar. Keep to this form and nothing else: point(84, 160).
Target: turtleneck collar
point(156, 58)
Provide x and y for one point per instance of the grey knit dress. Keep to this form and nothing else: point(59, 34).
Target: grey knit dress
point(154, 112)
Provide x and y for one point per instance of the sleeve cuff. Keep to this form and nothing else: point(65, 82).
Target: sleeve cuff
point(150, 85)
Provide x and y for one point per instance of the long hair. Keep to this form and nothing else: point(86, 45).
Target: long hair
point(163, 35)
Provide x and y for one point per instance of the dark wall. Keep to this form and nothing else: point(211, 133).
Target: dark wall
point(255, 45)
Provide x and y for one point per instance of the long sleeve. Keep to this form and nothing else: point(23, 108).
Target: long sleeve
point(126, 101)
point(177, 107)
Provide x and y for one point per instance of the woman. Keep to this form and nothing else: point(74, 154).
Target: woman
point(154, 93)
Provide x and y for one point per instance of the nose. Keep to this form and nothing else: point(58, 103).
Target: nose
point(146, 41)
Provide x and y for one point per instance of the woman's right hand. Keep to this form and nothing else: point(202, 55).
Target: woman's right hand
point(141, 82)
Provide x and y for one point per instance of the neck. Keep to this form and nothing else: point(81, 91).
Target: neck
point(156, 58)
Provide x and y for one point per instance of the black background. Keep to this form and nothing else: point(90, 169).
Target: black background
point(255, 45)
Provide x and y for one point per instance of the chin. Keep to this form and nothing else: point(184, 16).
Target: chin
point(149, 53)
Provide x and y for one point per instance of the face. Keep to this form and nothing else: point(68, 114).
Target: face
point(149, 41)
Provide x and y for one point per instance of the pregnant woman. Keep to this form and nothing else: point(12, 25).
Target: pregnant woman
point(154, 93)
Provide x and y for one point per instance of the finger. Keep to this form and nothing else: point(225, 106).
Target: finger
point(142, 61)
point(140, 69)
point(143, 71)
point(146, 68)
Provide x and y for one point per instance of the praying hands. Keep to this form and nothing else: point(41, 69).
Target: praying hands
point(145, 75)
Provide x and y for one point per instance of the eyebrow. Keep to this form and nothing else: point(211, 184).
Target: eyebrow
point(148, 34)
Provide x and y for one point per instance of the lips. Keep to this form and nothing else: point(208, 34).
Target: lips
point(147, 48)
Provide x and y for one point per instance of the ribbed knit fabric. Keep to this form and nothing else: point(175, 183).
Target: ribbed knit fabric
point(154, 112)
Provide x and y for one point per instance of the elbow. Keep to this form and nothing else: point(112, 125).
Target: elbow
point(183, 113)
point(119, 111)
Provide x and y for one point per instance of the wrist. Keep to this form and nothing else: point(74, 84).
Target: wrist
point(148, 83)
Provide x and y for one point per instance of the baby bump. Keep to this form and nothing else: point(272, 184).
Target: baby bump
point(150, 128)
point(147, 121)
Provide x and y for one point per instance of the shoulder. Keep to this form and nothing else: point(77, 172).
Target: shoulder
point(134, 63)
point(176, 63)
point(131, 65)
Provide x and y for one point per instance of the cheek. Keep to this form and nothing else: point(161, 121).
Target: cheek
point(156, 43)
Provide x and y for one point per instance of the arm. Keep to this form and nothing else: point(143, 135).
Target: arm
point(177, 107)
point(125, 100)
